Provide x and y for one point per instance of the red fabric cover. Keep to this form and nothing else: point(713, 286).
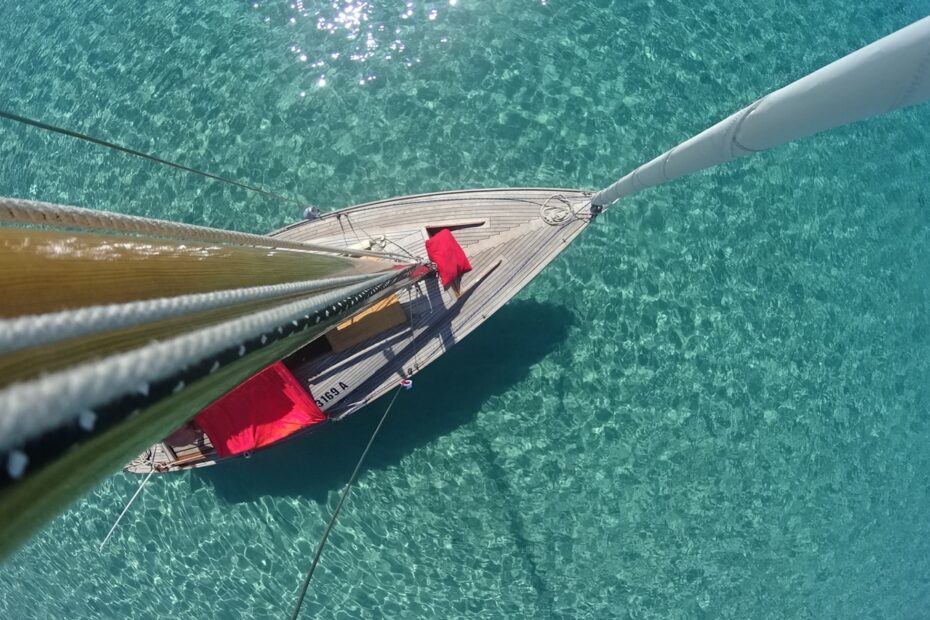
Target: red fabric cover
point(419, 272)
point(422, 270)
point(450, 259)
point(268, 407)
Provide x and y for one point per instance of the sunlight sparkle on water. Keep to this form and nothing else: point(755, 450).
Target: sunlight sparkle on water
point(358, 26)
point(713, 404)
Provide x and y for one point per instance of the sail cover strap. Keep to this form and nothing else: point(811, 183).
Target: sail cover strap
point(891, 73)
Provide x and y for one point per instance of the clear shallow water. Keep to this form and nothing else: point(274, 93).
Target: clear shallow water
point(715, 404)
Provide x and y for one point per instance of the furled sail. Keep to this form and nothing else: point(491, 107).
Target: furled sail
point(113, 335)
point(891, 73)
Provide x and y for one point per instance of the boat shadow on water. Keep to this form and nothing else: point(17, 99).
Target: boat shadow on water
point(447, 394)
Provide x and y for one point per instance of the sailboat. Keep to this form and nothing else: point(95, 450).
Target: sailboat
point(506, 236)
point(116, 331)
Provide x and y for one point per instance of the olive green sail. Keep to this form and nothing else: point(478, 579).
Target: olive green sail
point(113, 339)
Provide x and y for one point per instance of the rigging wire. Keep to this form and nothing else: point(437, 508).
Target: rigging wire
point(110, 145)
point(384, 239)
point(352, 226)
point(126, 509)
point(342, 499)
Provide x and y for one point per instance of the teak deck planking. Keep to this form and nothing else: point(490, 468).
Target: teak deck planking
point(512, 243)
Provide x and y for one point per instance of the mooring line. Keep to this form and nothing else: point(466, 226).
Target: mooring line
point(342, 499)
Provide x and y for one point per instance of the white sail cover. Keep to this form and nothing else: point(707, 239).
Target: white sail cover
point(892, 73)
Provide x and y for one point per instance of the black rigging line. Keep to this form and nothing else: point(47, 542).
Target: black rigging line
point(123, 149)
point(332, 519)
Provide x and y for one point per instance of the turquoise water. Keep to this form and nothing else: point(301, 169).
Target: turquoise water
point(714, 405)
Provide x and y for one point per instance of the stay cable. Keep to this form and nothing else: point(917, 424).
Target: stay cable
point(110, 145)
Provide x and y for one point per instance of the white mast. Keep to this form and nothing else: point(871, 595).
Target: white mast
point(891, 73)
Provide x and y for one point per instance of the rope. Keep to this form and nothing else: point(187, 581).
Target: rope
point(352, 226)
point(566, 213)
point(343, 229)
point(125, 509)
point(20, 211)
point(342, 499)
point(385, 239)
point(405, 250)
point(32, 407)
point(36, 330)
point(123, 149)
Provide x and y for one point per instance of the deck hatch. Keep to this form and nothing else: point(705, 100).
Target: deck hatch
point(379, 318)
point(454, 226)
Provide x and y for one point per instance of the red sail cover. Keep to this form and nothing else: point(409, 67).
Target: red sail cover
point(450, 259)
point(268, 407)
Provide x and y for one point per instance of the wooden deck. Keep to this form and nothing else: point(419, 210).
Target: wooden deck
point(508, 241)
point(509, 235)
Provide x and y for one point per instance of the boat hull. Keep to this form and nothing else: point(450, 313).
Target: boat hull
point(509, 236)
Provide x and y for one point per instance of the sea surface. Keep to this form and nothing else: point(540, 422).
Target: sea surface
point(715, 404)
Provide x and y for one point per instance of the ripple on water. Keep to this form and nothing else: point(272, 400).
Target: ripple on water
point(713, 405)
